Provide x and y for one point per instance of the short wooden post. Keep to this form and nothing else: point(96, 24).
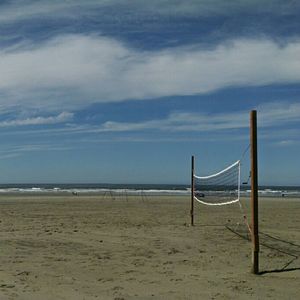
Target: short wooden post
point(192, 191)
point(254, 193)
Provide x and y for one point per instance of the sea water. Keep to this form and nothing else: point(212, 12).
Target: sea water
point(153, 189)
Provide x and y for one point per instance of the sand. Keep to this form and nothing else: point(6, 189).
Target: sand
point(87, 247)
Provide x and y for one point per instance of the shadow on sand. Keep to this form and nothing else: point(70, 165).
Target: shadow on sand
point(279, 271)
point(277, 244)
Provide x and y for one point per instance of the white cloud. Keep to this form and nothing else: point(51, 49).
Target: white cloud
point(287, 143)
point(182, 121)
point(61, 118)
point(72, 71)
point(21, 10)
point(15, 151)
point(279, 113)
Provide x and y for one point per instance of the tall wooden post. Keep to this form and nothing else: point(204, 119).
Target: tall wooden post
point(192, 191)
point(254, 193)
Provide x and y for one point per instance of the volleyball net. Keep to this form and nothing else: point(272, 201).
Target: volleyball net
point(221, 189)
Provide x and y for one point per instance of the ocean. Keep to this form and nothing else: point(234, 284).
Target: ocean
point(135, 189)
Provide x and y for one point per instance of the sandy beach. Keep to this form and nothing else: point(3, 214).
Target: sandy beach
point(90, 247)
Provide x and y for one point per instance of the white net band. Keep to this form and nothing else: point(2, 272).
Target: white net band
point(217, 203)
point(219, 173)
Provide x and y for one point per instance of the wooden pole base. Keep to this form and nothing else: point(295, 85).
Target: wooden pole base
point(192, 219)
point(255, 264)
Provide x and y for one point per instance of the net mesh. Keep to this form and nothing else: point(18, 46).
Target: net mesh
point(221, 188)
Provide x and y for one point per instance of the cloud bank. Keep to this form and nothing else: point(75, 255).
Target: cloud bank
point(272, 114)
point(275, 115)
point(73, 71)
point(16, 10)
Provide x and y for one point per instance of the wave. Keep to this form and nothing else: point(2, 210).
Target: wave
point(115, 191)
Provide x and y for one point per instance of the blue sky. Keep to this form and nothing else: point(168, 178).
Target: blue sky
point(126, 91)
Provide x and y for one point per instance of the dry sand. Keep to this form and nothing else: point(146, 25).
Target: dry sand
point(86, 247)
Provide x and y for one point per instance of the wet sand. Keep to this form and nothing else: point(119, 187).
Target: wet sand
point(87, 247)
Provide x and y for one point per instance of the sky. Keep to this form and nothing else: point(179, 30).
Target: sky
point(113, 91)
